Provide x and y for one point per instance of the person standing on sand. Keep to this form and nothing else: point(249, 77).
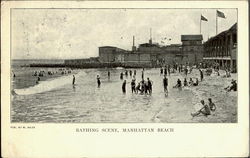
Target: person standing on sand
point(74, 79)
point(205, 110)
point(98, 81)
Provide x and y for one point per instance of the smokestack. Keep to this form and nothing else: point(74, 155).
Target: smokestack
point(133, 41)
point(150, 40)
point(133, 47)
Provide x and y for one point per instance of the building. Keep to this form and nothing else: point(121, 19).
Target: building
point(109, 54)
point(153, 55)
point(222, 49)
point(192, 48)
point(147, 54)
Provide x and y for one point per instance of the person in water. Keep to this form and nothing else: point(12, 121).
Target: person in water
point(126, 73)
point(133, 86)
point(124, 86)
point(161, 71)
point(197, 82)
point(38, 79)
point(142, 74)
point(142, 87)
point(137, 88)
point(205, 110)
point(149, 86)
point(201, 74)
point(98, 81)
point(121, 76)
point(134, 72)
point(211, 104)
point(169, 70)
point(165, 84)
point(108, 74)
point(185, 82)
point(178, 85)
point(186, 71)
point(74, 79)
point(191, 82)
point(130, 73)
point(165, 71)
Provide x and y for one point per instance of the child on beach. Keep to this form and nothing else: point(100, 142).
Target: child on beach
point(211, 104)
point(205, 110)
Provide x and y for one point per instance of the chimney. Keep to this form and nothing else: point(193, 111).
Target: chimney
point(150, 40)
point(133, 47)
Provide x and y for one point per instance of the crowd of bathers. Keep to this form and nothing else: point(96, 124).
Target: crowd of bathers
point(43, 73)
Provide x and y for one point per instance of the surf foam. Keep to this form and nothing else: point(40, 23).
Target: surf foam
point(48, 85)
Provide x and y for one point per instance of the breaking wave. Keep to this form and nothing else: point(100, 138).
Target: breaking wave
point(48, 85)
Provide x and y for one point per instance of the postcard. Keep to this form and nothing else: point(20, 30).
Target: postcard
point(124, 78)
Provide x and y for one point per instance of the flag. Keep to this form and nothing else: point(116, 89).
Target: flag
point(203, 18)
point(220, 14)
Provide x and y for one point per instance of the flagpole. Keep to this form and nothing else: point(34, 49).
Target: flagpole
point(216, 23)
point(200, 25)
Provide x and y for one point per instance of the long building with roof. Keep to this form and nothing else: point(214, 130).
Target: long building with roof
point(153, 55)
point(150, 54)
point(221, 49)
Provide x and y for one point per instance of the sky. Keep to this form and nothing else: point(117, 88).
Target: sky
point(77, 33)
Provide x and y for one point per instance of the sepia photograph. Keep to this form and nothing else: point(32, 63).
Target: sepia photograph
point(124, 78)
point(123, 65)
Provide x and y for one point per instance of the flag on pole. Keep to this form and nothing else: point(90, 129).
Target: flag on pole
point(221, 14)
point(203, 18)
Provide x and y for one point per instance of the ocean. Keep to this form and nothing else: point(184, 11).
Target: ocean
point(55, 100)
